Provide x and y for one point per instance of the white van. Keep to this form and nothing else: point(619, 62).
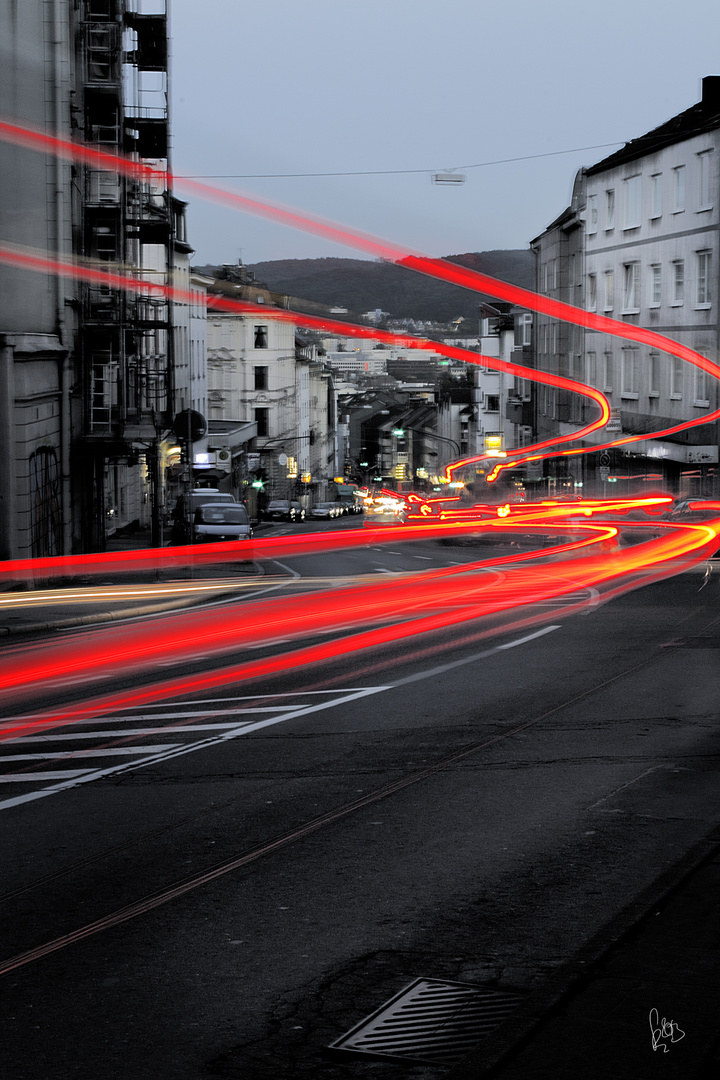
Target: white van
point(182, 518)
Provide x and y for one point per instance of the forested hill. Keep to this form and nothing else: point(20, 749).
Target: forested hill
point(361, 285)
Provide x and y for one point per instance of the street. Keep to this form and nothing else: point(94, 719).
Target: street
point(224, 884)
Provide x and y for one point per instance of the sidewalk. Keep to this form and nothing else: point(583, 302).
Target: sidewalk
point(593, 1020)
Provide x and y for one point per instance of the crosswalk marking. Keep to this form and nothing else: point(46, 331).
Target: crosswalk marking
point(26, 778)
point(179, 728)
point(223, 732)
point(108, 751)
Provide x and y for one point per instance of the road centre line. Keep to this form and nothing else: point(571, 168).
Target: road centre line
point(441, 668)
point(627, 784)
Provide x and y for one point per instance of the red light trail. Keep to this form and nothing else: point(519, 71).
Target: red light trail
point(403, 607)
point(373, 613)
point(437, 268)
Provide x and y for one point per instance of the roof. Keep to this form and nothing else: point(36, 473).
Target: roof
point(703, 116)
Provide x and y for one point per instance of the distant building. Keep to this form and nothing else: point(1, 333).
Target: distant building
point(259, 371)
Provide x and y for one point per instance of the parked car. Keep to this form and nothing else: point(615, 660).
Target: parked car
point(690, 511)
point(327, 510)
point(182, 515)
point(217, 521)
point(283, 510)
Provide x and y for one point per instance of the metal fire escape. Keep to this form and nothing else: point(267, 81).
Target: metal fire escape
point(126, 340)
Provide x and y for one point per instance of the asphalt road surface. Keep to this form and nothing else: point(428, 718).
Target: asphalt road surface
point(223, 885)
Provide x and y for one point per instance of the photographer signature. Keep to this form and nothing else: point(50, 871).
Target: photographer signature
point(663, 1029)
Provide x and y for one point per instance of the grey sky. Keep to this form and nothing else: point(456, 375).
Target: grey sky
point(302, 86)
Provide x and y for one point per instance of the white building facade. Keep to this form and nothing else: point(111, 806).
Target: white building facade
point(640, 244)
point(258, 372)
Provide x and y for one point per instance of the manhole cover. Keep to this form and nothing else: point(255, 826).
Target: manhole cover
point(431, 1021)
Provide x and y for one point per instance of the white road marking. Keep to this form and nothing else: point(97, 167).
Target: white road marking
point(262, 697)
point(189, 748)
point(530, 637)
point(29, 777)
point(127, 732)
point(432, 672)
point(628, 784)
point(110, 751)
point(73, 778)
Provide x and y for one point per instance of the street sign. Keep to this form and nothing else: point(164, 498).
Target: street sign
point(189, 425)
point(283, 459)
point(615, 421)
point(604, 471)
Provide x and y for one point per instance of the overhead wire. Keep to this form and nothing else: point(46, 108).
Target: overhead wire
point(388, 172)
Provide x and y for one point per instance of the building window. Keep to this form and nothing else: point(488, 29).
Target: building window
point(261, 419)
point(678, 282)
point(631, 283)
point(591, 368)
point(702, 391)
point(607, 372)
point(655, 285)
point(610, 209)
point(592, 214)
point(492, 403)
point(656, 195)
point(630, 373)
point(654, 375)
point(676, 378)
point(632, 202)
point(704, 263)
point(592, 292)
point(526, 329)
point(261, 337)
point(609, 290)
point(678, 189)
point(261, 378)
point(704, 186)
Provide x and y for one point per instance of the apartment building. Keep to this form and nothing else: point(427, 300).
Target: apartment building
point(87, 371)
point(639, 243)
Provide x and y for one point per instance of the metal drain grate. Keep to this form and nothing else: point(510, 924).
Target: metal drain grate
point(431, 1021)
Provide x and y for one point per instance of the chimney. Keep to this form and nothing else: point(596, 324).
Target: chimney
point(711, 93)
